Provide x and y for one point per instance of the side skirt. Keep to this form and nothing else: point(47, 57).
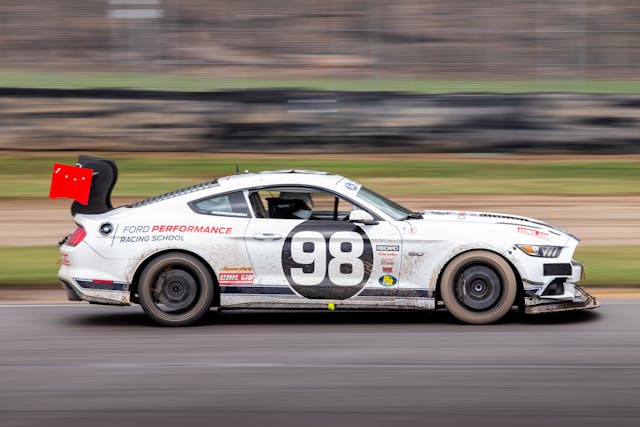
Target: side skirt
point(231, 301)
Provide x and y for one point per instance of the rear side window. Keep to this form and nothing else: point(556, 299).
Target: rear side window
point(230, 204)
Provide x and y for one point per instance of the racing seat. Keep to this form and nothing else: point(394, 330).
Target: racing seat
point(284, 208)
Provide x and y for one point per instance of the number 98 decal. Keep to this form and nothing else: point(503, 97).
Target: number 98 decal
point(327, 260)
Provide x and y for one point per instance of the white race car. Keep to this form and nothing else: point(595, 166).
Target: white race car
point(296, 239)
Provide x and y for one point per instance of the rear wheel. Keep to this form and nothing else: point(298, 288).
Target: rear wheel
point(176, 289)
point(478, 287)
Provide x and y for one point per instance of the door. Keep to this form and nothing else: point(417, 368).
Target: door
point(305, 246)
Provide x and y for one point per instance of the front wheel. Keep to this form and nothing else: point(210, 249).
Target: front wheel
point(478, 287)
point(176, 289)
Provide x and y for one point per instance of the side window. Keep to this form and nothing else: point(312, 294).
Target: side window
point(299, 203)
point(230, 204)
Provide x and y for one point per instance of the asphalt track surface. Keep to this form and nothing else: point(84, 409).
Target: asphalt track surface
point(81, 365)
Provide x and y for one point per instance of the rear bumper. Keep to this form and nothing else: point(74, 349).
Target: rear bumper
point(582, 300)
point(81, 290)
point(86, 276)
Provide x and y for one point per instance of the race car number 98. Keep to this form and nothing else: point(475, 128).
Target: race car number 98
point(327, 260)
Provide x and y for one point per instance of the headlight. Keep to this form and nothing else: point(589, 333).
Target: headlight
point(541, 251)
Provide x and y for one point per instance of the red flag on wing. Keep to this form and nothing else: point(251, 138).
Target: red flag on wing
point(72, 182)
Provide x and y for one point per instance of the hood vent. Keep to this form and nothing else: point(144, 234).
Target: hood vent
point(515, 218)
point(520, 218)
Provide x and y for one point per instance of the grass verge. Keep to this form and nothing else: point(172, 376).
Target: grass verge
point(30, 265)
point(606, 265)
point(141, 175)
point(52, 80)
point(610, 265)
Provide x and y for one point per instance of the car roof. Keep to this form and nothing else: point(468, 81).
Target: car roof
point(288, 177)
point(280, 177)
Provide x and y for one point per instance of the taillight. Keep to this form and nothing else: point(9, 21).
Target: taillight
point(77, 236)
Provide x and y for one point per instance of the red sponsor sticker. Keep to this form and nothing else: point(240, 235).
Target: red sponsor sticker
point(534, 233)
point(387, 269)
point(64, 259)
point(235, 278)
point(178, 228)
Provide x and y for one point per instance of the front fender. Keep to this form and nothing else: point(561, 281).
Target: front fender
point(439, 267)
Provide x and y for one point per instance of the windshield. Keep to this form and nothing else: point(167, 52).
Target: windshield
point(387, 206)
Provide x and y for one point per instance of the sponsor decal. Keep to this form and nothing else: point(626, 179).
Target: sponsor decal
point(387, 248)
point(134, 239)
point(160, 233)
point(409, 230)
point(236, 276)
point(387, 269)
point(191, 229)
point(327, 259)
point(350, 186)
point(207, 229)
point(387, 280)
point(388, 261)
point(155, 238)
point(388, 255)
point(533, 233)
point(135, 229)
point(64, 259)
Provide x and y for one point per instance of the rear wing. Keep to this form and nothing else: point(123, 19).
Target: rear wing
point(105, 175)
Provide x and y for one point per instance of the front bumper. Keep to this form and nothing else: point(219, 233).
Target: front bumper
point(582, 300)
point(560, 293)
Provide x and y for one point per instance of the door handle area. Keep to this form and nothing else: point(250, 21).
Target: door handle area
point(267, 236)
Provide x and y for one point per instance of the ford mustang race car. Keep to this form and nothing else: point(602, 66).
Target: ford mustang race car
point(298, 239)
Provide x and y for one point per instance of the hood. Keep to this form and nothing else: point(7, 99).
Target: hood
point(526, 225)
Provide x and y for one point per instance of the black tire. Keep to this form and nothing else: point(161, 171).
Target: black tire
point(478, 287)
point(176, 289)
